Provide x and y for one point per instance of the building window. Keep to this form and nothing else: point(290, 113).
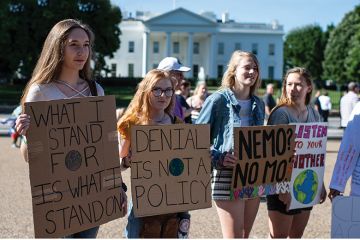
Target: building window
point(254, 48)
point(113, 70)
point(195, 71)
point(131, 46)
point(130, 70)
point(220, 71)
point(271, 49)
point(196, 49)
point(176, 47)
point(156, 47)
point(221, 48)
point(155, 65)
point(237, 46)
point(271, 72)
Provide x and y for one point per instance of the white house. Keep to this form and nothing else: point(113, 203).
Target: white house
point(198, 40)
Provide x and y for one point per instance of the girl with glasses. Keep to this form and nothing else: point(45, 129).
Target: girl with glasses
point(152, 104)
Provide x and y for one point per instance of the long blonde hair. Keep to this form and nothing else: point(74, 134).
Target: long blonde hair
point(228, 80)
point(138, 111)
point(50, 62)
point(304, 73)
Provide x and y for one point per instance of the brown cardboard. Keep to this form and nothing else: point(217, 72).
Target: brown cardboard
point(265, 155)
point(68, 129)
point(170, 168)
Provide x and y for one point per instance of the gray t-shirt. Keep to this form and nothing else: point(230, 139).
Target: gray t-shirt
point(282, 115)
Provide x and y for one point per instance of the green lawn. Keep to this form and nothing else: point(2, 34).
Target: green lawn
point(10, 95)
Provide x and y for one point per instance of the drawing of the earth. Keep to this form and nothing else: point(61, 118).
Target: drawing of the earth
point(176, 166)
point(305, 186)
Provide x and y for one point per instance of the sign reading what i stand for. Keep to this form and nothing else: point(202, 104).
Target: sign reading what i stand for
point(74, 165)
point(170, 168)
point(265, 156)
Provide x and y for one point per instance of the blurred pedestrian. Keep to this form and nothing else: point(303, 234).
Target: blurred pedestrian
point(269, 99)
point(325, 105)
point(348, 102)
point(196, 101)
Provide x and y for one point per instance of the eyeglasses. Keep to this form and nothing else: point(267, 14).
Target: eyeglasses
point(158, 92)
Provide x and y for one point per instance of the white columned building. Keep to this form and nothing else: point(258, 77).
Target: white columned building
point(198, 40)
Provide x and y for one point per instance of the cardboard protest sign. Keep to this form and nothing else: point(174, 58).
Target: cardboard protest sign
point(170, 168)
point(345, 217)
point(309, 164)
point(74, 164)
point(265, 154)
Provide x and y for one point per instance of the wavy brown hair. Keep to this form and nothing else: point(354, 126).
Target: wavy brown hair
point(49, 65)
point(138, 111)
point(305, 74)
point(228, 80)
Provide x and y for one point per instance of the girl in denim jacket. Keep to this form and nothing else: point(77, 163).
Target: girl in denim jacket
point(233, 105)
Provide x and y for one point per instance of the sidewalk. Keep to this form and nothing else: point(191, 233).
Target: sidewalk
point(334, 132)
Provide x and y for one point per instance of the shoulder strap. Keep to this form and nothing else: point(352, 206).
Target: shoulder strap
point(92, 86)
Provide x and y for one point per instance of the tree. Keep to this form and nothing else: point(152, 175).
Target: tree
point(304, 47)
point(341, 49)
point(24, 25)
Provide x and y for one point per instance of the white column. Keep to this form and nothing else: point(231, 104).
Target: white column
point(190, 54)
point(212, 56)
point(145, 53)
point(168, 44)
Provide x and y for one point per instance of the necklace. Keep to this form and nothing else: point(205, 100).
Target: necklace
point(301, 114)
point(77, 92)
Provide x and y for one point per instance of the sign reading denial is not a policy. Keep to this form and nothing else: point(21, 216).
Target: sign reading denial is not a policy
point(74, 164)
point(265, 156)
point(170, 168)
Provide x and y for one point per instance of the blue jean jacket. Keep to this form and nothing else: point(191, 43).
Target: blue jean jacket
point(221, 110)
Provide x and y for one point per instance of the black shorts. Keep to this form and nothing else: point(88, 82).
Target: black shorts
point(274, 204)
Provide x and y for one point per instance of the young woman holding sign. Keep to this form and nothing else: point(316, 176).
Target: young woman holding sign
point(152, 105)
point(235, 104)
point(63, 72)
point(294, 107)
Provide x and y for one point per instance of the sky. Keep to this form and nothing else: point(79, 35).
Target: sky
point(289, 13)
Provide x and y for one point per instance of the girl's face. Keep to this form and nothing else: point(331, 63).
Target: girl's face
point(77, 49)
point(297, 88)
point(202, 90)
point(246, 72)
point(161, 94)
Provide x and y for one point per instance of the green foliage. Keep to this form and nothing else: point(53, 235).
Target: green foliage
point(304, 47)
point(342, 49)
point(24, 25)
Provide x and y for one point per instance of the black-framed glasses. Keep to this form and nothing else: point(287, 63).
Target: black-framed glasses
point(158, 92)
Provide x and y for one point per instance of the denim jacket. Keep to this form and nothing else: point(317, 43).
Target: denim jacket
point(221, 110)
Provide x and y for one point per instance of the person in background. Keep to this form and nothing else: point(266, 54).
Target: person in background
point(325, 105)
point(294, 107)
point(235, 104)
point(316, 102)
point(63, 72)
point(152, 104)
point(184, 91)
point(176, 70)
point(196, 101)
point(348, 159)
point(348, 102)
point(269, 99)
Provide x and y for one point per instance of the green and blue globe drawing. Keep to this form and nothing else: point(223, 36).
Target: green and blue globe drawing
point(176, 167)
point(305, 186)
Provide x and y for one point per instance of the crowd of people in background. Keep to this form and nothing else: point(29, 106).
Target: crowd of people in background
point(164, 97)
